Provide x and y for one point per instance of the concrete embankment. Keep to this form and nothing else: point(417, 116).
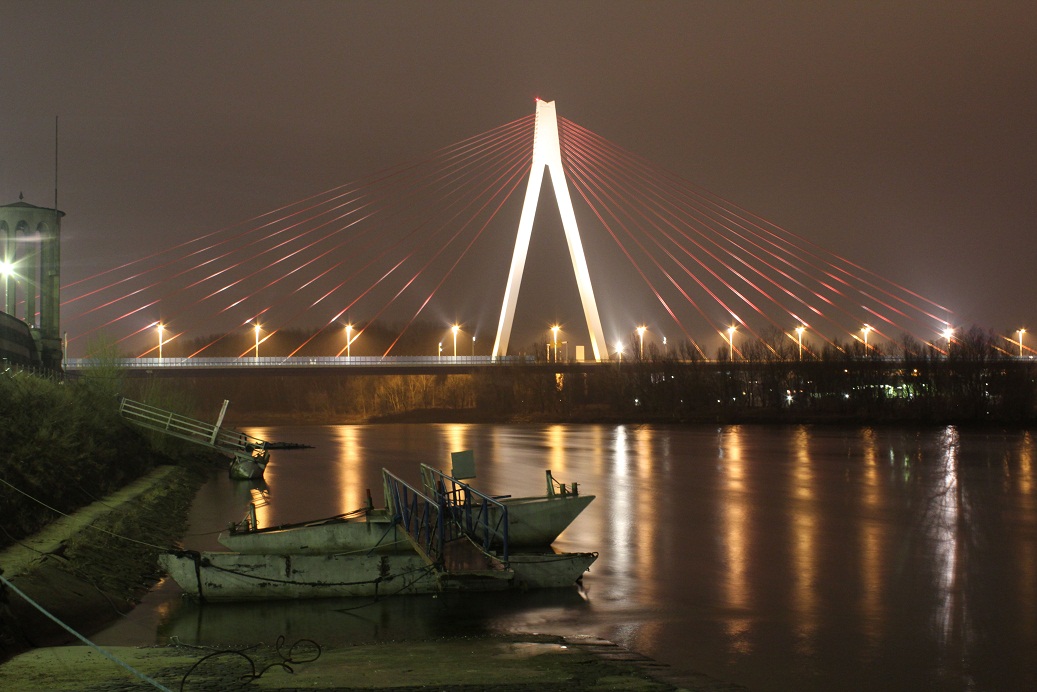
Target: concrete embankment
point(89, 567)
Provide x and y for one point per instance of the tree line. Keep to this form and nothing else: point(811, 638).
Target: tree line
point(973, 380)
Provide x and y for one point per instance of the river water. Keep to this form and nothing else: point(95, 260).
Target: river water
point(780, 558)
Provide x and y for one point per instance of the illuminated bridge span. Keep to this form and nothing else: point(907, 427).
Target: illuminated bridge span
point(368, 364)
point(356, 270)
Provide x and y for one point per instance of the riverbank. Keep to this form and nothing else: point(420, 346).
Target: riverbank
point(475, 416)
point(90, 567)
point(518, 663)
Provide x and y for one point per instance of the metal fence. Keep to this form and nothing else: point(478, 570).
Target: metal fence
point(185, 428)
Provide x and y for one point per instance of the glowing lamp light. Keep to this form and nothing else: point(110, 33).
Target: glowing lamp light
point(455, 329)
point(641, 335)
point(349, 340)
point(731, 341)
point(1021, 332)
point(866, 330)
point(6, 268)
point(159, 328)
point(799, 333)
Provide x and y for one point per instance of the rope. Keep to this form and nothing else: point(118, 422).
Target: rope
point(199, 562)
point(90, 526)
point(106, 654)
point(284, 663)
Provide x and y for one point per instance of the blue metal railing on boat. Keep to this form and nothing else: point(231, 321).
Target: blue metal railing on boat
point(471, 512)
point(419, 515)
point(447, 510)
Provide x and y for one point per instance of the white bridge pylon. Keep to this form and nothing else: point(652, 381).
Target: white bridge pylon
point(548, 154)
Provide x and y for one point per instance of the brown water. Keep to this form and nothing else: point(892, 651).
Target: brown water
point(781, 558)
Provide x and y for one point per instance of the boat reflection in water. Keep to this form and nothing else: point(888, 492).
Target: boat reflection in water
point(342, 621)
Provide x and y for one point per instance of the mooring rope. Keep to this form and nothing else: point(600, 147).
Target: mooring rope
point(106, 654)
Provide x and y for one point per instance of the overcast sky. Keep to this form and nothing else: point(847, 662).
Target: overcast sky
point(901, 135)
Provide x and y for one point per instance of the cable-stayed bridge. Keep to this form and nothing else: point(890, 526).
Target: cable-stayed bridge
point(362, 270)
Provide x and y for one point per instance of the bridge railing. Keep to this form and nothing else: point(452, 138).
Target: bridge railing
point(185, 428)
point(295, 361)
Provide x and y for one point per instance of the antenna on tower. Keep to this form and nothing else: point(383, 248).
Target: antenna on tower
point(55, 167)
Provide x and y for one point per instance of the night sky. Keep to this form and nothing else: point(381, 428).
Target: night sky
point(900, 135)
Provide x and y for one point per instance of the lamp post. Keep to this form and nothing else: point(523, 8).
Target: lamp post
point(455, 329)
point(731, 342)
point(865, 330)
point(641, 342)
point(799, 334)
point(1021, 332)
point(159, 328)
point(473, 346)
point(554, 338)
point(619, 351)
point(947, 334)
point(441, 350)
point(349, 340)
point(257, 341)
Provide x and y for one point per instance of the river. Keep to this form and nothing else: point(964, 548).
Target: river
point(780, 558)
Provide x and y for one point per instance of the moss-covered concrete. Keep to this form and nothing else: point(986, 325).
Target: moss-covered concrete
point(89, 567)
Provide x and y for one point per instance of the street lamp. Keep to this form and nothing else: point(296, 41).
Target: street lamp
point(799, 333)
point(455, 329)
point(619, 350)
point(257, 341)
point(441, 350)
point(473, 346)
point(947, 334)
point(1021, 332)
point(731, 342)
point(349, 340)
point(865, 330)
point(554, 338)
point(641, 337)
point(159, 328)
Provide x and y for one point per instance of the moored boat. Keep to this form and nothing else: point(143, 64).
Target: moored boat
point(224, 576)
point(533, 522)
point(446, 536)
point(360, 531)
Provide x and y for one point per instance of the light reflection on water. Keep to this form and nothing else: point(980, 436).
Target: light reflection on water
point(779, 558)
